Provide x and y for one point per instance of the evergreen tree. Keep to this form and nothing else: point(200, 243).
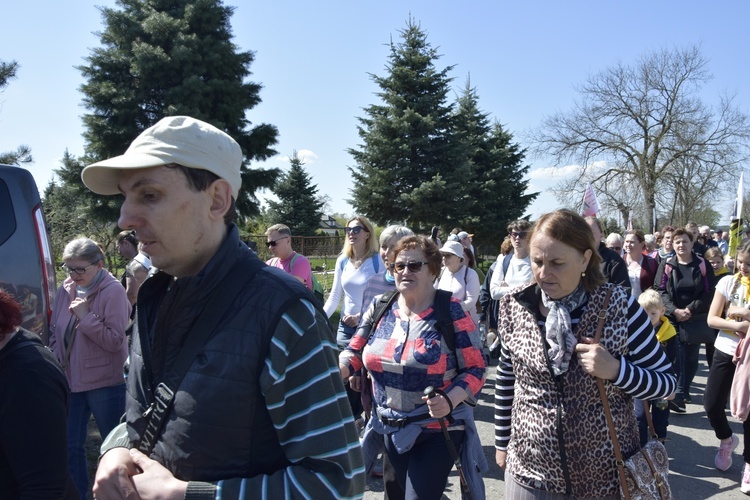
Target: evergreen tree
point(407, 167)
point(23, 153)
point(162, 58)
point(496, 189)
point(299, 205)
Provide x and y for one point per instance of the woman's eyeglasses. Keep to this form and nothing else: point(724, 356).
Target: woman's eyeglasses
point(413, 267)
point(272, 243)
point(521, 235)
point(76, 270)
point(355, 229)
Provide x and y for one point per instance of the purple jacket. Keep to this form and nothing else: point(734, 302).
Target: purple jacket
point(97, 354)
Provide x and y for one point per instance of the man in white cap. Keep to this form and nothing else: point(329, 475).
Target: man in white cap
point(231, 390)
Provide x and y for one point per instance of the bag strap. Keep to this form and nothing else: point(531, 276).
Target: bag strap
point(442, 306)
point(383, 304)
point(649, 420)
point(605, 403)
point(444, 320)
point(199, 333)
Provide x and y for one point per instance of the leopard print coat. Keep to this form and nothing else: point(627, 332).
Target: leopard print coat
point(545, 408)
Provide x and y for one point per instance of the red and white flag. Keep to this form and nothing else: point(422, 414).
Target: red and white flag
point(590, 203)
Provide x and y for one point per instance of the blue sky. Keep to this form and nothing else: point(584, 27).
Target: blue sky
point(313, 59)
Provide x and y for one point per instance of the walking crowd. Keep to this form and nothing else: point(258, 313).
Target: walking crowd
point(238, 387)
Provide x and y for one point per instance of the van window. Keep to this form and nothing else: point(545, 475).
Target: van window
point(8, 219)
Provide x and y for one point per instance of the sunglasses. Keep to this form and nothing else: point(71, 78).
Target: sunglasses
point(413, 267)
point(355, 229)
point(76, 270)
point(520, 235)
point(272, 243)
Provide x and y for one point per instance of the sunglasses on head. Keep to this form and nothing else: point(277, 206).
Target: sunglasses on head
point(520, 234)
point(272, 243)
point(355, 229)
point(413, 267)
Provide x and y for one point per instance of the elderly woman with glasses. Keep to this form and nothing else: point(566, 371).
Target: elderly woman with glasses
point(87, 335)
point(406, 351)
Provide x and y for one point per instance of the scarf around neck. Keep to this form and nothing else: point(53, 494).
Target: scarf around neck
point(558, 326)
point(745, 281)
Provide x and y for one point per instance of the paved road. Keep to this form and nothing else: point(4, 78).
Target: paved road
point(691, 447)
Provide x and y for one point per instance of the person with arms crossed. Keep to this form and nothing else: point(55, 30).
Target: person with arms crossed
point(259, 410)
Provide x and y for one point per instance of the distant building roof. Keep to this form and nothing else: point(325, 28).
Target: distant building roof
point(328, 222)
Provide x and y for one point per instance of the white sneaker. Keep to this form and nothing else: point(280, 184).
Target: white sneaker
point(745, 486)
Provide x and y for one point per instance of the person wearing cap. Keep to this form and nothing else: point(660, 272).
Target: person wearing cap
point(466, 240)
point(279, 242)
point(258, 410)
point(458, 278)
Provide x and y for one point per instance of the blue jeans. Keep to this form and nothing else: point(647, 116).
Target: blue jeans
point(108, 405)
point(421, 472)
point(343, 336)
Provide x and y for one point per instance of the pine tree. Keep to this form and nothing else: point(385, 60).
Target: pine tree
point(407, 168)
point(299, 205)
point(496, 186)
point(162, 58)
point(22, 154)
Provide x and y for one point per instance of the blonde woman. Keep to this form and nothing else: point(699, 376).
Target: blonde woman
point(358, 261)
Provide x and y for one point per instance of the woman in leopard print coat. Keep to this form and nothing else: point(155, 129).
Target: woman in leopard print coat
point(551, 431)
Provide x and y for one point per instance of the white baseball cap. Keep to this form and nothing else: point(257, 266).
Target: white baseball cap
point(175, 139)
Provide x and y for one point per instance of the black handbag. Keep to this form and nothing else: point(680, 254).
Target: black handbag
point(696, 331)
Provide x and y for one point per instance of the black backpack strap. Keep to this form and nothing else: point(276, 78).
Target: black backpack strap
point(199, 333)
point(443, 317)
point(382, 305)
point(17, 345)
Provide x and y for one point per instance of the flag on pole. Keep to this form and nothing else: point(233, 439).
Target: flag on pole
point(735, 225)
point(630, 221)
point(590, 203)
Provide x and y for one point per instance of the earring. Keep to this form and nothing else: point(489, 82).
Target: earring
point(583, 274)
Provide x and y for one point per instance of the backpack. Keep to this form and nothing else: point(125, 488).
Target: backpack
point(317, 287)
point(374, 258)
point(701, 266)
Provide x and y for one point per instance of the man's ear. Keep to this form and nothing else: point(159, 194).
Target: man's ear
point(221, 198)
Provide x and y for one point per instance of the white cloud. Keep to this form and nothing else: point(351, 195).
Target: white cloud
point(307, 156)
point(545, 173)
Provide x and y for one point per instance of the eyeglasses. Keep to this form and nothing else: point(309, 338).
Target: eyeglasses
point(413, 267)
point(521, 235)
point(355, 229)
point(77, 270)
point(272, 243)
